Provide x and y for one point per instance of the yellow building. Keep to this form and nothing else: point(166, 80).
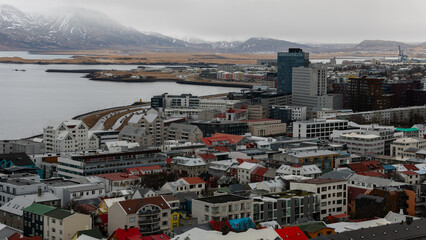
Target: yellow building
point(174, 217)
point(107, 203)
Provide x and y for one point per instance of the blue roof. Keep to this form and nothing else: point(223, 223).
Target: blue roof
point(388, 167)
point(345, 154)
point(241, 224)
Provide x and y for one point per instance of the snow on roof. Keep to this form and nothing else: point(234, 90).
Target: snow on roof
point(247, 165)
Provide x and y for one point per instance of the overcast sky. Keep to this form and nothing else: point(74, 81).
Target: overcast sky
point(306, 21)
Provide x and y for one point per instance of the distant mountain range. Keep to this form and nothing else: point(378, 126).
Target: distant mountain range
point(83, 29)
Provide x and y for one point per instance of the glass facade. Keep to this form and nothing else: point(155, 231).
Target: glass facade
point(295, 57)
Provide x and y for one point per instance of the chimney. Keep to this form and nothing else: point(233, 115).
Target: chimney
point(409, 220)
point(39, 191)
point(125, 227)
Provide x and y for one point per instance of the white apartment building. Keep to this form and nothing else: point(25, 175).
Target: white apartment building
point(400, 145)
point(319, 128)
point(312, 171)
point(220, 104)
point(244, 171)
point(184, 185)
point(333, 194)
point(153, 125)
point(69, 136)
point(62, 224)
point(221, 208)
point(362, 143)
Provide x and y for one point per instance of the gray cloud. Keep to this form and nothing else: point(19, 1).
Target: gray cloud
point(295, 20)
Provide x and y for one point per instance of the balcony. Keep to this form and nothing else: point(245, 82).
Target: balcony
point(147, 230)
point(149, 212)
point(149, 220)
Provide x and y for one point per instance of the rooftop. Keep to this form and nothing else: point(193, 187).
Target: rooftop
point(289, 194)
point(222, 199)
point(322, 180)
point(117, 176)
point(39, 209)
point(59, 213)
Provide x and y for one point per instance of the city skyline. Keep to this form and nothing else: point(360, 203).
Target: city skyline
point(303, 21)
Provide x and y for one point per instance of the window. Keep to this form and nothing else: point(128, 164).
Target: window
point(165, 214)
point(206, 218)
point(53, 230)
point(53, 220)
point(175, 217)
point(206, 208)
point(132, 219)
point(60, 222)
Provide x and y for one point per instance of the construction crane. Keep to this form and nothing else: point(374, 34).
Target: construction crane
point(401, 56)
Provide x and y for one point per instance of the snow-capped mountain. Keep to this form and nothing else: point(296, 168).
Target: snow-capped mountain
point(77, 29)
point(88, 29)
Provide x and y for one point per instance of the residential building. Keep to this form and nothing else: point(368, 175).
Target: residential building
point(63, 224)
point(309, 88)
point(28, 146)
point(18, 160)
point(289, 114)
point(209, 128)
point(324, 159)
point(312, 171)
point(89, 164)
point(143, 193)
point(181, 145)
point(191, 166)
point(244, 171)
point(220, 208)
point(175, 101)
point(333, 194)
point(185, 132)
point(68, 136)
point(221, 168)
point(34, 219)
point(140, 171)
point(11, 213)
point(286, 207)
point(266, 127)
point(153, 124)
point(219, 104)
point(367, 94)
point(185, 185)
point(286, 61)
point(363, 144)
point(319, 128)
point(400, 145)
point(107, 203)
point(133, 134)
point(119, 181)
point(11, 186)
point(151, 215)
point(70, 191)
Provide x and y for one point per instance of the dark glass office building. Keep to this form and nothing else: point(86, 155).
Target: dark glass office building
point(286, 61)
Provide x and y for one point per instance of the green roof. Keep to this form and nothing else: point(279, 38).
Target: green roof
point(39, 209)
point(406, 129)
point(312, 227)
point(95, 233)
point(59, 213)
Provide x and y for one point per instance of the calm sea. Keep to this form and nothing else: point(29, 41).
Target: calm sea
point(30, 99)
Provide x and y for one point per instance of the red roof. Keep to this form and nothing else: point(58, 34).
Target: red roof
point(296, 165)
point(221, 149)
point(218, 225)
point(358, 167)
point(133, 205)
point(157, 237)
point(241, 160)
point(260, 171)
point(142, 169)
point(85, 208)
point(231, 110)
point(411, 167)
point(220, 115)
point(128, 234)
point(104, 218)
point(17, 236)
point(372, 174)
point(372, 165)
point(341, 216)
point(243, 107)
point(206, 156)
point(293, 233)
point(193, 180)
point(353, 192)
point(169, 160)
point(117, 176)
point(222, 137)
point(409, 173)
